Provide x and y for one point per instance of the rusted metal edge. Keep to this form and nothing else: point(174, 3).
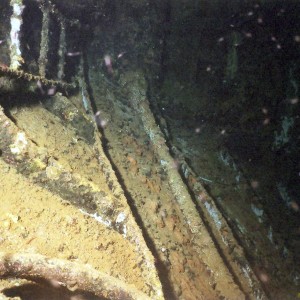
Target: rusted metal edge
point(232, 251)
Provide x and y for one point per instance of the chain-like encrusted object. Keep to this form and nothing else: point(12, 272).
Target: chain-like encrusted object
point(6, 71)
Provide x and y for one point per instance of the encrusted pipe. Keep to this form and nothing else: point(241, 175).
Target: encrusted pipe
point(44, 40)
point(16, 21)
point(61, 50)
point(73, 276)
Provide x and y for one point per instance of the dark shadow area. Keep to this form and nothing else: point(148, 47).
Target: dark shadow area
point(53, 56)
point(31, 37)
point(44, 291)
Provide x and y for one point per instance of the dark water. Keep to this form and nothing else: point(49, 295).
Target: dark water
point(228, 64)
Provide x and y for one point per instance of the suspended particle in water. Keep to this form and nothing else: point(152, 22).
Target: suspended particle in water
point(121, 54)
point(266, 121)
point(103, 123)
point(263, 277)
point(254, 184)
point(294, 206)
point(294, 100)
point(51, 91)
point(71, 54)
point(297, 38)
point(260, 20)
point(108, 63)
point(99, 121)
point(54, 283)
point(264, 110)
point(97, 116)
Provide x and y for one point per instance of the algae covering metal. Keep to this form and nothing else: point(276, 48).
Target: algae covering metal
point(184, 241)
point(233, 255)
